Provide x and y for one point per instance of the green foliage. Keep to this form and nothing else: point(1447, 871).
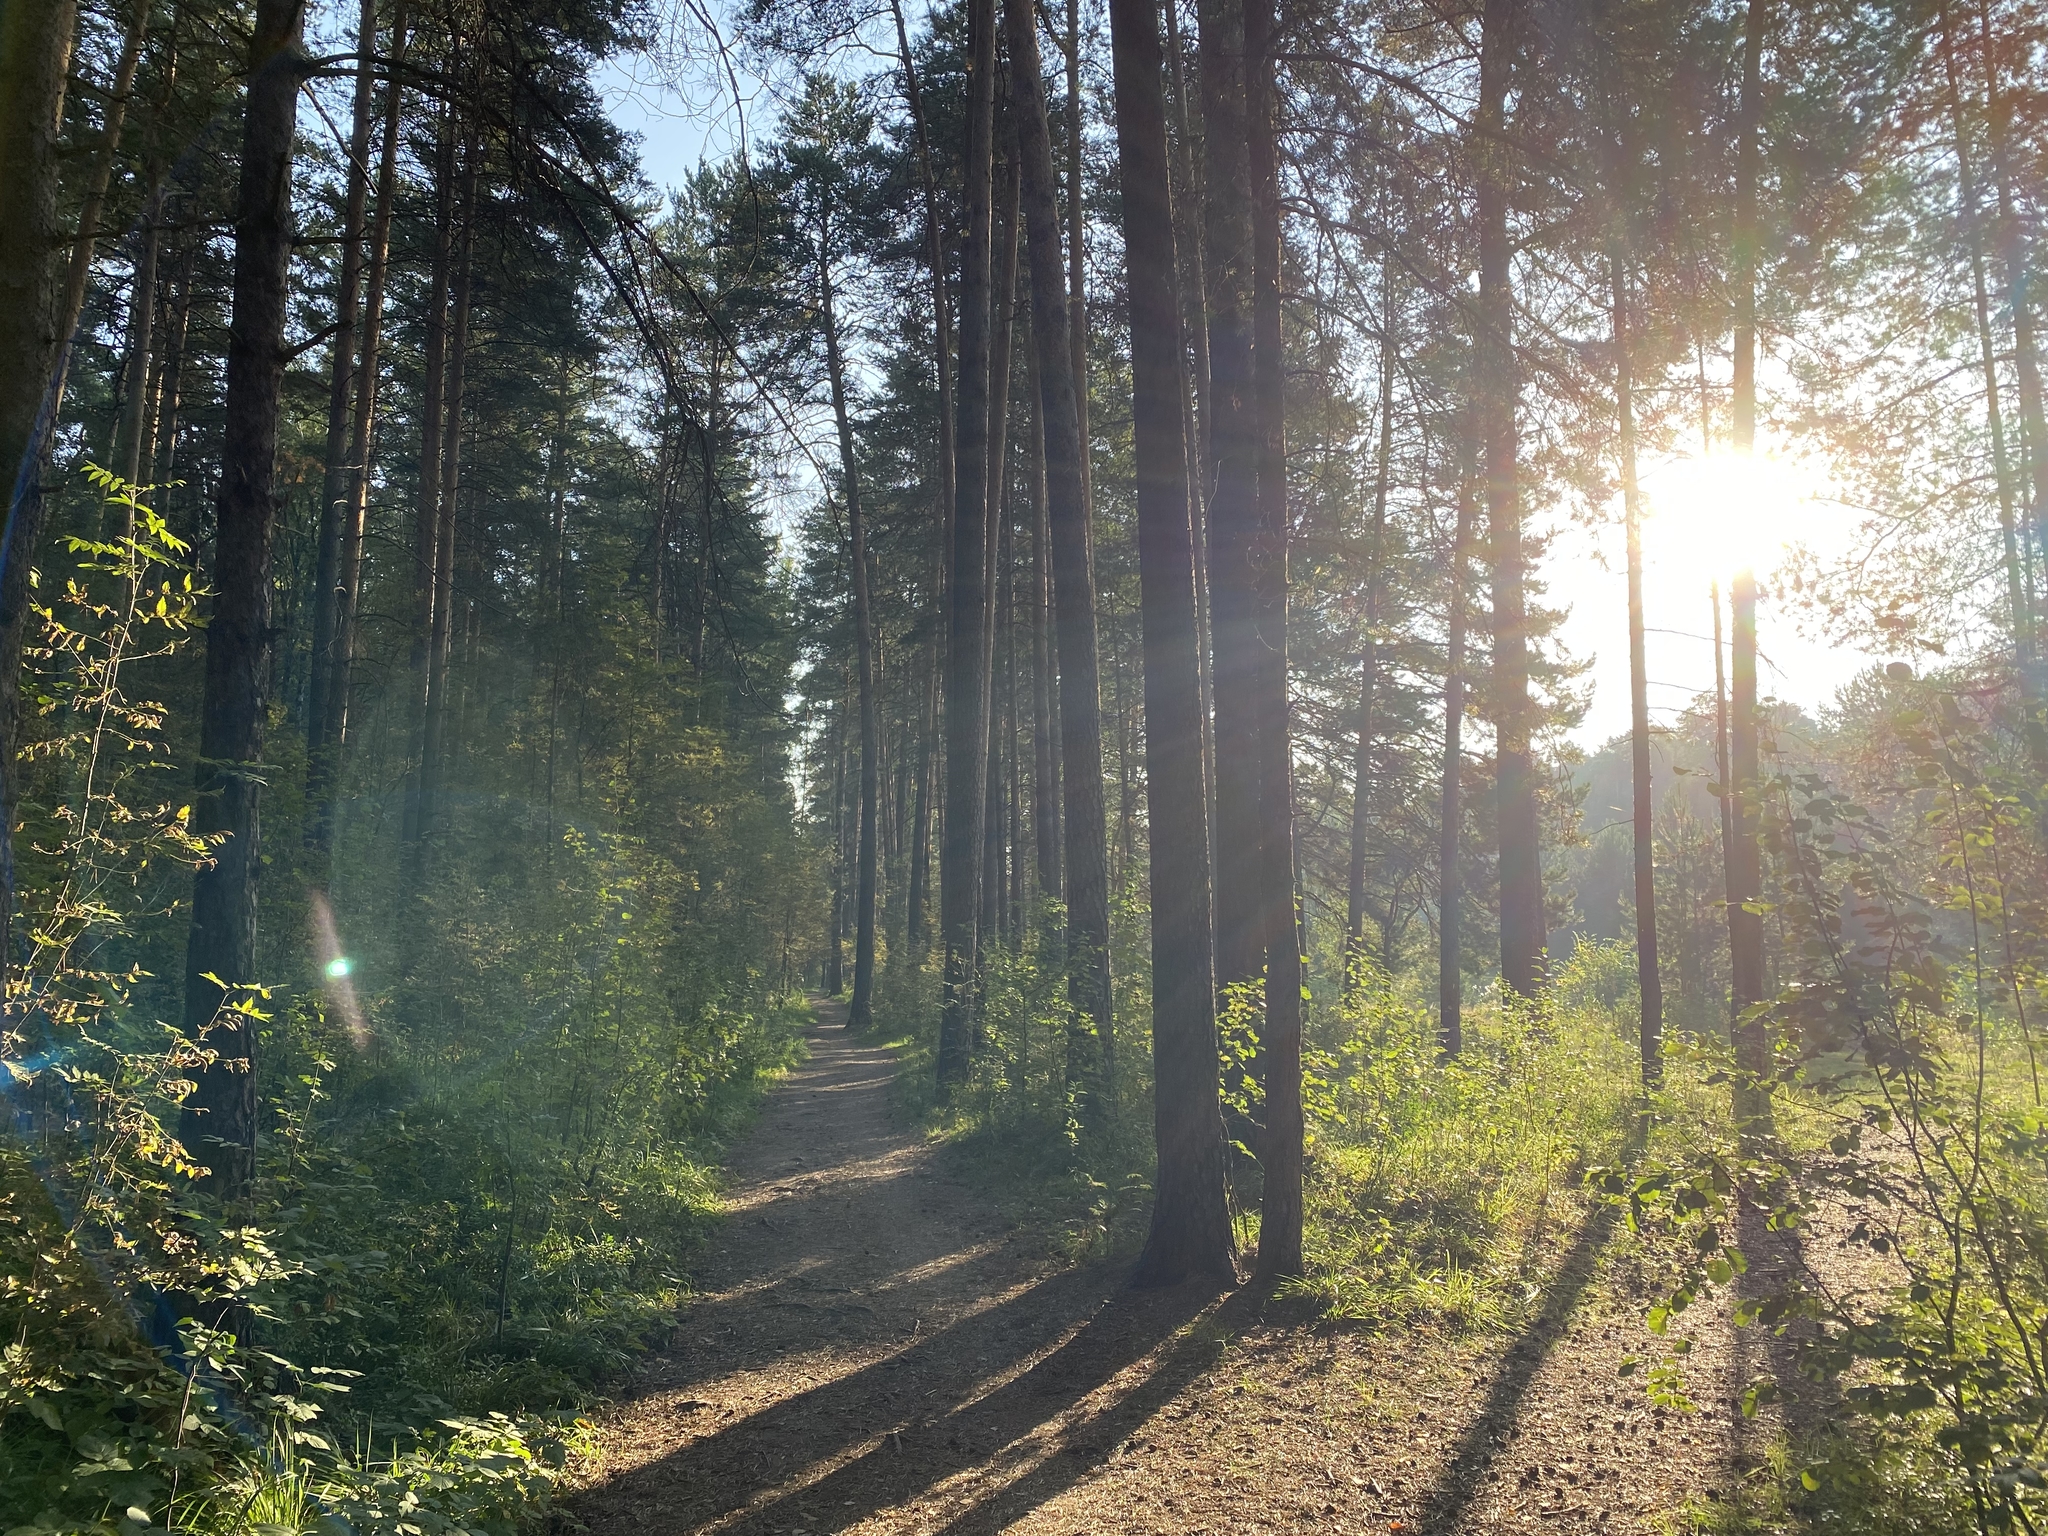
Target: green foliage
point(489, 1121)
point(1444, 1191)
point(1903, 1099)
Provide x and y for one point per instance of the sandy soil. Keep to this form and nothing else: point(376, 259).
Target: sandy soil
point(876, 1349)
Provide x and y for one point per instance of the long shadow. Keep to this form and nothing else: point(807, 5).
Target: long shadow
point(982, 1432)
point(901, 1396)
point(1090, 1444)
point(1445, 1504)
point(1777, 1264)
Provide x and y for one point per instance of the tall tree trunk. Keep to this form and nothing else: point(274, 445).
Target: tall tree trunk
point(1522, 929)
point(336, 488)
point(333, 721)
point(134, 426)
point(335, 497)
point(860, 1013)
point(1190, 1223)
point(1968, 217)
point(439, 743)
point(2016, 257)
point(1649, 982)
point(1070, 533)
point(426, 545)
point(1450, 971)
point(1193, 287)
point(1745, 865)
point(1045, 761)
point(1233, 520)
point(835, 924)
point(916, 899)
point(1369, 660)
point(1724, 772)
point(966, 620)
point(93, 204)
point(170, 383)
point(1280, 1152)
point(1195, 401)
point(220, 1115)
point(942, 346)
point(935, 260)
point(35, 60)
point(1077, 251)
point(1002, 336)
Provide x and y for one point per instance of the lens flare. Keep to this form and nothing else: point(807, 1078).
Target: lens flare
point(337, 967)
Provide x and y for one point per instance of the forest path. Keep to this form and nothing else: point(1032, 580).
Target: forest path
point(875, 1349)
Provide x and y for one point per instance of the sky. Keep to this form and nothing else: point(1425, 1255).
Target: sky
point(1701, 521)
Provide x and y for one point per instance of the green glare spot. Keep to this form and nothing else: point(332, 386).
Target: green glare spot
point(338, 967)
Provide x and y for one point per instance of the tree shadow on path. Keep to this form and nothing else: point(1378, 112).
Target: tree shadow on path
point(1443, 1508)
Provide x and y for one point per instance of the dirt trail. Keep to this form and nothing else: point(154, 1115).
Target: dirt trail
point(875, 1349)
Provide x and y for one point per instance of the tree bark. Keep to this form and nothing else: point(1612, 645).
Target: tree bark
point(134, 426)
point(835, 923)
point(1190, 1232)
point(220, 1116)
point(1077, 252)
point(966, 618)
point(1745, 864)
point(995, 550)
point(348, 579)
point(1071, 537)
point(35, 59)
point(426, 544)
point(1522, 929)
point(860, 1012)
point(79, 268)
point(1369, 660)
point(1280, 1152)
point(942, 346)
point(336, 498)
point(1233, 513)
point(1450, 975)
point(2016, 257)
point(1045, 750)
point(439, 743)
point(1649, 982)
point(1969, 216)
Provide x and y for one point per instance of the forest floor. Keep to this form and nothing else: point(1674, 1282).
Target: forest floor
point(877, 1348)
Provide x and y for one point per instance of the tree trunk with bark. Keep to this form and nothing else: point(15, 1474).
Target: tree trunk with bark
point(220, 1116)
point(426, 544)
point(942, 347)
point(1072, 557)
point(439, 741)
point(1369, 659)
point(1233, 512)
point(1522, 928)
point(966, 617)
point(1045, 747)
point(860, 1012)
point(1745, 863)
point(1190, 1232)
point(333, 724)
point(35, 60)
point(337, 486)
point(1649, 983)
point(1280, 1151)
point(1450, 973)
point(995, 549)
point(93, 204)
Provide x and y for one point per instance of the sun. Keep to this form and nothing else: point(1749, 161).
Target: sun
point(1713, 515)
